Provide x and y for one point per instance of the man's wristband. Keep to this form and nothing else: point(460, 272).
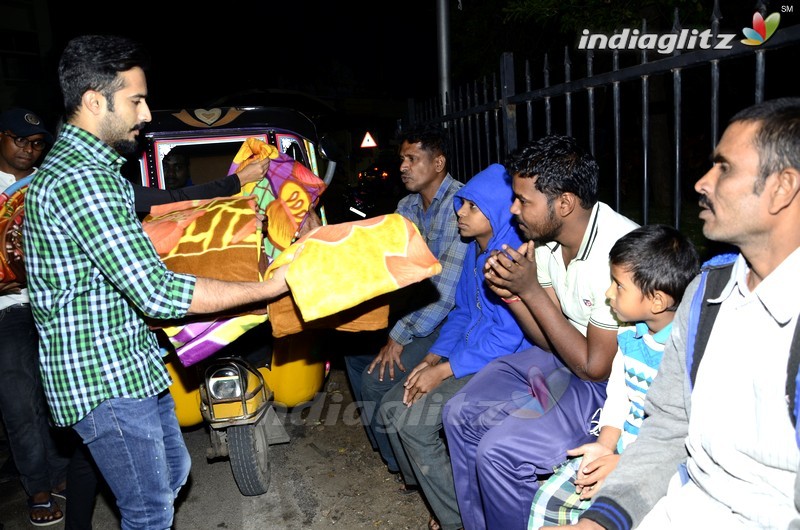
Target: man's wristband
point(511, 300)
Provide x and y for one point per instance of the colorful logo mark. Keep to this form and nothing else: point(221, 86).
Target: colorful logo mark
point(762, 29)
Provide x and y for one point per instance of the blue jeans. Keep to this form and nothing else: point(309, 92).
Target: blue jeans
point(138, 447)
point(35, 445)
point(368, 391)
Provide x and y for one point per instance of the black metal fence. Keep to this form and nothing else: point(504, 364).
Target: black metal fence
point(650, 118)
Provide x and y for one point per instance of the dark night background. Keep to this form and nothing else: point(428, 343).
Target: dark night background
point(332, 50)
point(363, 60)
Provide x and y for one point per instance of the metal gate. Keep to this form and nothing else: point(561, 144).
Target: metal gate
point(650, 118)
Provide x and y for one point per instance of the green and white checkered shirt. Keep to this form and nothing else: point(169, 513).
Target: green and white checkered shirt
point(93, 275)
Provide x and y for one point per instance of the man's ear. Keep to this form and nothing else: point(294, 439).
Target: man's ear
point(660, 302)
point(93, 101)
point(566, 203)
point(785, 190)
point(439, 163)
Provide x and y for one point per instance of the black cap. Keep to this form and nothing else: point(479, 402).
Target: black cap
point(22, 122)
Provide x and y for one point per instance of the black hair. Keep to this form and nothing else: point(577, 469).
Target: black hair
point(93, 62)
point(659, 258)
point(778, 139)
point(560, 165)
point(431, 139)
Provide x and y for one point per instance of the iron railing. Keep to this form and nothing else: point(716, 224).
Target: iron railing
point(651, 124)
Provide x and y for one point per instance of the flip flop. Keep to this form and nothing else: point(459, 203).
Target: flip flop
point(61, 494)
point(55, 515)
point(433, 524)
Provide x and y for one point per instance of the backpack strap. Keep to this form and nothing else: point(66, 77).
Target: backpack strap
point(714, 275)
point(792, 380)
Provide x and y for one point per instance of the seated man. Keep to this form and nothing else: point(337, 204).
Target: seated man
point(518, 416)
point(478, 329)
point(429, 205)
point(719, 445)
point(650, 269)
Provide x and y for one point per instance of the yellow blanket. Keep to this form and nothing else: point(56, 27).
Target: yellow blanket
point(337, 267)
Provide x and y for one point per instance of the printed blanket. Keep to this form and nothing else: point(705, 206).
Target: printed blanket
point(12, 266)
point(337, 267)
point(223, 239)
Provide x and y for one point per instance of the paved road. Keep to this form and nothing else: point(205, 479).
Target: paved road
point(327, 477)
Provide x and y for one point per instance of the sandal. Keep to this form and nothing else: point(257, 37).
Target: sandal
point(433, 524)
point(61, 494)
point(54, 514)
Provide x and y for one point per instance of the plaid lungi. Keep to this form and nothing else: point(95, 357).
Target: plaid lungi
point(556, 502)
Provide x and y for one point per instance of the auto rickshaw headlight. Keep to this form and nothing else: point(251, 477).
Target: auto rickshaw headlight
point(225, 383)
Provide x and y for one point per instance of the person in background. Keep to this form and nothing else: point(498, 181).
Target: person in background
point(176, 170)
point(429, 205)
point(650, 269)
point(95, 280)
point(478, 329)
point(520, 413)
point(719, 444)
point(39, 452)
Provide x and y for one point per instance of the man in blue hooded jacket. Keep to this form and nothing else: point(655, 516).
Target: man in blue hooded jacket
point(478, 329)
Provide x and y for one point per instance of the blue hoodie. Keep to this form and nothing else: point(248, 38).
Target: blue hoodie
point(481, 327)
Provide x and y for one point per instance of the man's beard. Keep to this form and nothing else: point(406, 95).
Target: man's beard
point(548, 231)
point(126, 147)
point(116, 134)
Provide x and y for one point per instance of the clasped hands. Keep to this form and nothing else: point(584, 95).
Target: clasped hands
point(511, 272)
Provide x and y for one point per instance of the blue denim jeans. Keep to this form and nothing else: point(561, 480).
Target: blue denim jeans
point(35, 445)
point(138, 447)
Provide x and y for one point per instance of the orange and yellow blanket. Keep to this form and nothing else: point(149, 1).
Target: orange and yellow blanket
point(336, 280)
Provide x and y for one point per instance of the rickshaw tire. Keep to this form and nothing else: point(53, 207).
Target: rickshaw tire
point(248, 448)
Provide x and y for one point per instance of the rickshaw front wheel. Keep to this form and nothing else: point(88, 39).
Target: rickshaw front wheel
point(248, 447)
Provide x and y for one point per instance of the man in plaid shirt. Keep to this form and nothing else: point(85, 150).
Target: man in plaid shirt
point(94, 277)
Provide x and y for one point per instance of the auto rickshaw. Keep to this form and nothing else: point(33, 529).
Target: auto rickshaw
point(231, 394)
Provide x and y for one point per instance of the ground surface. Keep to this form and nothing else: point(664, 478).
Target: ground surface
point(326, 477)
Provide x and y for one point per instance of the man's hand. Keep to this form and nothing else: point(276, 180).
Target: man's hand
point(387, 358)
point(512, 272)
point(253, 172)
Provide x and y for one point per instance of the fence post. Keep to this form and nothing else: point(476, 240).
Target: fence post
point(508, 88)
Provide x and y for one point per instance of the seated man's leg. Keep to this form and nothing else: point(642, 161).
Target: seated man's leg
point(373, 389)
point(475, 409)
point(553, 415)
point(138, 457)
point(355, 364)
point(420, 429)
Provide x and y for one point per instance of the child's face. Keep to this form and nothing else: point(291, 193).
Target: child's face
point(626, 299)
point(472, 222)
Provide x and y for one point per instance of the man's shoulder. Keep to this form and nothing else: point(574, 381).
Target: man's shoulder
point(608, 217)
point(607, 227)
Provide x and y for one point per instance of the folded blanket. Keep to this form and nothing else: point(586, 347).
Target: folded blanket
point(343, 265)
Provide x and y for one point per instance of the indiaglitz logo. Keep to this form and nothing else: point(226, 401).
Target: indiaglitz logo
point(664, 43)
point(762, 29)
point(685, 39)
